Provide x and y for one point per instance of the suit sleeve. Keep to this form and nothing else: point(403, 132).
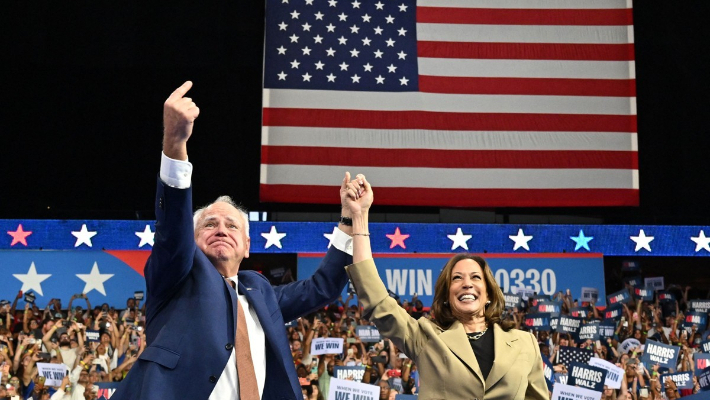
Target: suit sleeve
point(174, 246)
point(391, 320)
point(537, 387)
point(327, 283)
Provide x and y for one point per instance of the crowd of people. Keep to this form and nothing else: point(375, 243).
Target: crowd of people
point(57, 334)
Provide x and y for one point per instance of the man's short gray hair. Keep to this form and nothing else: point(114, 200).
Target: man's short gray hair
point(223, 199)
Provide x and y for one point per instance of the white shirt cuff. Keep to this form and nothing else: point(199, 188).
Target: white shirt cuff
point(175, 173)
point(342, 241)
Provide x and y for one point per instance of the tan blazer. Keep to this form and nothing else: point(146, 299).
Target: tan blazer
point(447, 366)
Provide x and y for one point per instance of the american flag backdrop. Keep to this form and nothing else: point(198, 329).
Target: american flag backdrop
point(485, 103)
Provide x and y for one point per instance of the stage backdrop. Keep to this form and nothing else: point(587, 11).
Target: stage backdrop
point(407, 274)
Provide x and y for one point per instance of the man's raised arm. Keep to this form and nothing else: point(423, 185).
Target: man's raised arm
point(179, 114)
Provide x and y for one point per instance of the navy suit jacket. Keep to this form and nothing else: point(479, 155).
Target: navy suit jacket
point(191, 314)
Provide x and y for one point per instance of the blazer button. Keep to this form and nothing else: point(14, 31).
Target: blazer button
point(161, 203)
point(213, 379)
point(229, 346)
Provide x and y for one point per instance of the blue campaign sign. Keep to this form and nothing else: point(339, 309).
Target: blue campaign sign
point(106, 390)
point(549, 373)
point(552, 307)
point(351, 372)
point(622, 296)
point(586, 376)
point(104, 276)
point(666, 296)
point(699, 319)
point(579, 312)
point(645, 294)
point(407, 274)
point(537, 321)
point(614, 312)
point(683, 380)
point(660, 353)
point(699, 305)
point(607, 328)
point(634, 281)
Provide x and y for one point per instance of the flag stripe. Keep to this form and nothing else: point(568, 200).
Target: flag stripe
point(461, 197)
point(420, 158)
point(538, 34)
point(451, 178)
point(447, 140)
point(527, 68)
point(528, 51)
point(528, 4)
point(497, 16)
point(442, 102)
point(526, 86)
point(447, 120)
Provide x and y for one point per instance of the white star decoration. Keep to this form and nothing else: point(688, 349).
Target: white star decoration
point(147, 237)
point(273, 238)
point(330, 236)
point(94, 280)
point(701, 242)
point(32, 280)
point(83, 236)
point(459, 239)
point(642, 241)
point(520, 240)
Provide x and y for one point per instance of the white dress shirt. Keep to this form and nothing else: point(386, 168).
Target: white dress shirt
point(178, 174)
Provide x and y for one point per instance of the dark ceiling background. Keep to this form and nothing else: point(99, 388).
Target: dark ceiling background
point(84, 84)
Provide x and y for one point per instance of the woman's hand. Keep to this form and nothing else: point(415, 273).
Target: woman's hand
point(356, 195)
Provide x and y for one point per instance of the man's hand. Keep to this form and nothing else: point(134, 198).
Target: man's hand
point(179, 114)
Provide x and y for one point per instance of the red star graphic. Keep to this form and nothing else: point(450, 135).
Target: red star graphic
point(397, 239)
point(19, 236)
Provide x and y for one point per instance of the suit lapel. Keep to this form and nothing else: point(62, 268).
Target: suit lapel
point(455, 338)
point(507, 347)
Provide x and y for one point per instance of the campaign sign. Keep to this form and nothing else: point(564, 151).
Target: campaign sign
point(407, 273)
point(614, 313)
point(354, 373)
point(634, 281)
point(535, 300)
point(704, 379)
point(586, 376)
point(656, 283)
point(348, 390)
point(548, 372)
point(628, 266)
point(702, 361)
point(645, 294)
point(106, 389)
point(53, 373)
point(569, 325)
point(589, 331)
point(368, 334)
point(590, 295)
point(538, 321)
point(683, 380)
point(698, 319)
point(628, 345)
point(92, 336)
point(552, 307)
point(622, 296)
point(524, 292)
point(513, 300)
point(554, 322)
point(607, 329)
point(326, 346)
point(705, 346)
point(579, 312)
point(567, 392)
point(699, 305)
point(666, 296)
point(661, 354)
point(614, 374)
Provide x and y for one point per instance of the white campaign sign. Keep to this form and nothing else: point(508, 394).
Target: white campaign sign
point(614, 374)
point(349, 390)
point(656, 283)
point(326, 346)
point(53, 373)
point(566, 392)
point(590, 294)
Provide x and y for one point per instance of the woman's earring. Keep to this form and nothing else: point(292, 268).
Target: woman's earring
point(446, 303)
point(488, 302)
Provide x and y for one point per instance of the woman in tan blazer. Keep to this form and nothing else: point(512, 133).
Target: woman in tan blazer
point(466, 351)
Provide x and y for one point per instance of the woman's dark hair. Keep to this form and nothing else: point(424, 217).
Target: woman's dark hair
point(441, 308)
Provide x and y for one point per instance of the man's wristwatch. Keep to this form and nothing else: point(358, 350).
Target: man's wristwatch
point(346, 221)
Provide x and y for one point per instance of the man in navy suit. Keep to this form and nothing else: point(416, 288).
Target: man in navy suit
point(191, 316)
